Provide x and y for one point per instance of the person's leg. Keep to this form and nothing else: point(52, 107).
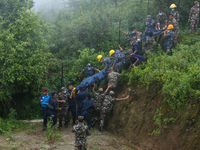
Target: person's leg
point(44, 116)
point(196, 26)
point(192, 22)
point(79, 110)
point(88, 120)
point(160, 36)
point(73, 111)
point(66, 116)
point(60, 117)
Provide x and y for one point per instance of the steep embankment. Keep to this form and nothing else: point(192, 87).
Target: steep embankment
point(133, 120)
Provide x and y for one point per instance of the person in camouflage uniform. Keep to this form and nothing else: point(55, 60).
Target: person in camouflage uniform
point(108, 64)
point(161, 22)
point(194, 17)
point(149, 45)
point(107, 106)
point(150, 25)
point(120, 59)
point(81, 132)
point(64, 112)
point(173, 21)
point(98, 99)
point(112, 78)
point(169, 35)
point(175, 12)
point(138, 34)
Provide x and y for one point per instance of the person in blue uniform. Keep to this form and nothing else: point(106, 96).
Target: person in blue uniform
point(87, 105)
point(52, 112)
point(72, 102)
point(135, 59)
point(81, 95)
point(136, 49)
point(44, 100)
point(150, 25)
point(90, 71)
point(169, 37)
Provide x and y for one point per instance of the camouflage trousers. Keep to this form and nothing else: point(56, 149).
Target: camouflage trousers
point(63, 114)
point(176, 33)
point(81, 145)
point(168, 48)
point(193, 25)
point(95, 114)
point(120, 64)
point(103, 114)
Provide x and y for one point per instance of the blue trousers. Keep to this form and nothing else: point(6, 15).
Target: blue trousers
point(73, 111)
point(44, 116)
point(87, 117)
point(140, 61)
point(79, 110)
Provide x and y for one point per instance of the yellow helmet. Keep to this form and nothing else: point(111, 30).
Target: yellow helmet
point(99, 57)
point(74, 90)
point(170, 26)
point(173, 6)
point(111, 52)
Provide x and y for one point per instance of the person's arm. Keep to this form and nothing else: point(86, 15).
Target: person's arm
point(122, 99)
point(108, 88)
point(120, 48)
point(198, 15)
point(136, 62)
point(129, 50)
point(113, 66)
point(98, 70)
point(82, 72)
point(58, 108)
point(93, 87)
point(123, 32)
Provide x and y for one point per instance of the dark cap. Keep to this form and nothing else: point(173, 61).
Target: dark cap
point(81, 87)
point(53, 93)
point(88, 65)
point(196, 2)
point(129, 40)
point(127, 53)
point(172, 15)
point(80, 118)
point(44, 90)
point(148, 16)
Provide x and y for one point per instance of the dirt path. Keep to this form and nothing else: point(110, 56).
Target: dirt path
point(36, 140)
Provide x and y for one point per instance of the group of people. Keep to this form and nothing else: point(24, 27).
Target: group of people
point(81, 104)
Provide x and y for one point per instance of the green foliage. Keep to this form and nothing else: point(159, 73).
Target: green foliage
point(23, 58)
point(51, 134)
point(10, 125)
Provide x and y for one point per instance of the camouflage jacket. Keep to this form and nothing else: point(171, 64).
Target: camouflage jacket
point(112, 78)
point(119, 56)
point(150, 25)
point(169, 38)
point(108, 63)
point(63, 97)
point(194, 14)
point(139, 36)
point(176, 15)
point(81, 131)
point(149, 43)
point(174, 23)
point(98, 98)
point(108, 103)
point(161, 19)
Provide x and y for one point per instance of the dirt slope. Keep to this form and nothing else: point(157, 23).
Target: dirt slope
point(133, 120)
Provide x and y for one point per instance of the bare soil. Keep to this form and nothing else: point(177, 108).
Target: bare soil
point(36, 140)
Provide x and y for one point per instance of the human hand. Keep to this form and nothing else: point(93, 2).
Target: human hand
point(59, 108)
point(188, 21)
point(127, 97)
point(47, 103)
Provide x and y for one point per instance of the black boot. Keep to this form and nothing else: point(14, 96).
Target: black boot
point(66, 125)
point(60, 124)
point(43, 129)
point(94, 122)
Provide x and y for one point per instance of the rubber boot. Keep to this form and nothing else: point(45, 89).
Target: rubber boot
point(66, 124)
point(94, 122)
point(60, 124)
point(43, 129)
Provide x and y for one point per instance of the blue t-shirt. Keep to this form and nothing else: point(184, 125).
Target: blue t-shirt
point(71, 101)
point(87, 105)
point(44, 99)
point(134, 57)
point(80, 97)
point(53, 102)
point(136, 47)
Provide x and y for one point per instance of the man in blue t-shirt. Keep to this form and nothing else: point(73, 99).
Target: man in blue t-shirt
point(44, 100)
point(135, 59)
point(81, 95)
point(71, 101)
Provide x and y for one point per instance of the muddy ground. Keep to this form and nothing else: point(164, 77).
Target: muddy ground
point(36, 139)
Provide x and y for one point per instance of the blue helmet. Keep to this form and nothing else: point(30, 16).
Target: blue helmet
point(88, 65)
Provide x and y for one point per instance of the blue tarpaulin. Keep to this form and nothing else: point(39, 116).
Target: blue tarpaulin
point(155, 33)
point(91, 80)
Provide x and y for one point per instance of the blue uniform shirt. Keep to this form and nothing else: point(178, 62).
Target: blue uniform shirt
point(119, 56)
point(134, 57)
point(44, 99)
point(71, 101)
point(169, 38)
point(80, 97)
point(90, 71)
point(108, 63)
point(87, 105)
point(136, 47)
point(53, 102)
point(150, 26)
